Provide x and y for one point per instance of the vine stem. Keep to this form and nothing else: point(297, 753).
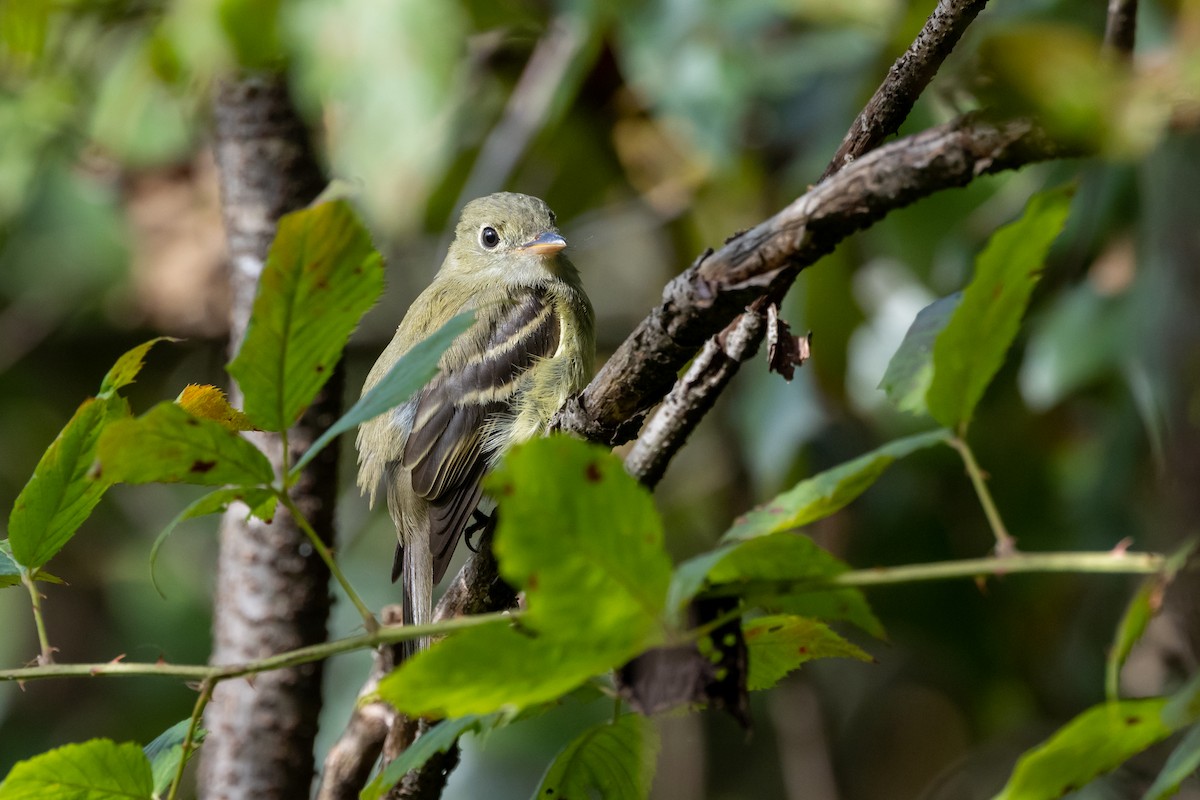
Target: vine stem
point(1005, 543)
point(46, 657)
point(189, 740)
point(369, 621)
point(388, 634)
point(1112, 562)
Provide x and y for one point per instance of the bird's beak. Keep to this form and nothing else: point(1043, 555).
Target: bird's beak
point(547, 244)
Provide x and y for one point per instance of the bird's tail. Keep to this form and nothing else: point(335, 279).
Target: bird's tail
point(417, 587)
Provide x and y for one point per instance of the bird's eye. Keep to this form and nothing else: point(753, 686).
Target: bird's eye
point(488, 237)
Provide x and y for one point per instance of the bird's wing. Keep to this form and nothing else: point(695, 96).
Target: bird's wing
point(445, 450)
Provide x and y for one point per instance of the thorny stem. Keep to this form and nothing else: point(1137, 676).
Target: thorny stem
point(47, 654)
point(369, 622)
point(189, 740)
point(390, 634)
point(1005, 544)
point(1112, 562)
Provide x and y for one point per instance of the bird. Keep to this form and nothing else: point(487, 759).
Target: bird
point(530, 348)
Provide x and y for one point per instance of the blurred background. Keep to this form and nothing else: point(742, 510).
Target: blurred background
point(654, 130)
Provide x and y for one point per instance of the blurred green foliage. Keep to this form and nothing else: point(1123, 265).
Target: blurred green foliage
point(668, 126)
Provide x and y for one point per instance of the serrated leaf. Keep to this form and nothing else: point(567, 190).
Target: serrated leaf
point(910, 370)
point(1096, 741)
point(613, 760)
point(583, 540)
point(826, 492)
point(169, 445)
point(446, 680)
point(774, 570)
point(127, 367)
point(779, 644)
point(1181, 764)
point(209, 402)
point(165, 752)
point(214, 502)
point(98, 769)
point(60, 495)
point(321, 276)
point(415, 369)
point(438, 739)
point(971, 348)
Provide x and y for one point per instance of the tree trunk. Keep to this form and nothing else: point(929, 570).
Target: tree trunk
point(272, 590)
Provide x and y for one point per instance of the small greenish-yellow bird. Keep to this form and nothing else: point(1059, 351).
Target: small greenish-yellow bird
point(530, 348)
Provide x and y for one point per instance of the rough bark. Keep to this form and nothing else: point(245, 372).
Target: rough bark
point(271, 590)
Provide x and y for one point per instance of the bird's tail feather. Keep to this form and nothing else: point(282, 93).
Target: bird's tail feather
point(417, 587)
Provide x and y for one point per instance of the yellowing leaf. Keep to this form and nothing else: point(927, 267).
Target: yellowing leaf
point(208, 402)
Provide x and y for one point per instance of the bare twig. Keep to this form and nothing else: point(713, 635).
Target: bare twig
point(1120, 30)
point(529, 106)
point(908, 77)
point(693, 395)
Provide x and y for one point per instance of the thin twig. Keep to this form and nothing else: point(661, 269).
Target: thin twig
point(906, 80)
point(189, 739)
point(46, 656)
point(1005, 544)
point(545, 75)
point(1111, 562)
point(1120, 29)
point(692, 397)
point(222, 672)
point(368, 618)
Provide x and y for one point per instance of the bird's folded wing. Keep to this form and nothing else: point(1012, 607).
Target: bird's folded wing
point(445, 450)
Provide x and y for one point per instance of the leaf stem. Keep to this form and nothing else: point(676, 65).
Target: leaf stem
point(369, 621)
point(206, 692)
point(387, 634)
point(47, 655)
point(1005, 544)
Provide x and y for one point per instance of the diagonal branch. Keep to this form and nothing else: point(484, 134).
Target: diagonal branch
point(906, 80)
point(720, 284)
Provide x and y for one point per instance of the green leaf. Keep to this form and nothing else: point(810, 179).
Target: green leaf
point(168, 445)
point(409, 374)
point(779, 644)
point(165, 752)
point(1181, 764)
point(773, 570)
point(821, 495)
point(438, 739)
point(1098, 740)
point(523, 669)
point(908, 375)
point(321, 276)
point(1133, 624)
point(971, 348)
point(61, 495)
point(98, 769)
point(10, 573)
point(583, 540)
point(128, 366)
point(214, 502)
point(613, 760)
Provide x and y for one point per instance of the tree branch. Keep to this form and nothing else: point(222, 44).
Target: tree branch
point(720, 284)
point(906, 80)
point(1120, 29)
